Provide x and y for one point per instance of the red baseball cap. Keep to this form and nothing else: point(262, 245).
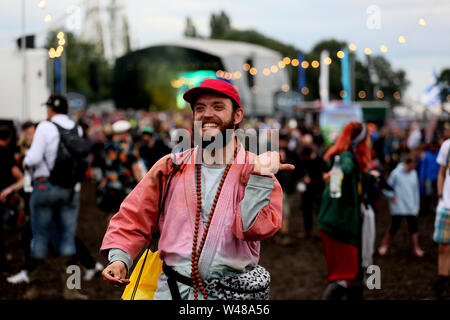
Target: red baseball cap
point(212, 86)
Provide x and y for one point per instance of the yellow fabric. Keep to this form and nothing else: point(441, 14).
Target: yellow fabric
point(149, 277)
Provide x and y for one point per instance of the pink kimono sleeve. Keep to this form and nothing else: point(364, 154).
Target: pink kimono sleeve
point(267, 221)
point(130, 229)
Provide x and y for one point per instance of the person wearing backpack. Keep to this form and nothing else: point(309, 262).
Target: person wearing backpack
point(57, 159)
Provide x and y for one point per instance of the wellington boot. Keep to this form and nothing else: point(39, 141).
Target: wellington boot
point(439, 287)
point(355, 292)
point(334, 291)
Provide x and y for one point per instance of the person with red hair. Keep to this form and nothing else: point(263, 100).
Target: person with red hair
point(339, 218)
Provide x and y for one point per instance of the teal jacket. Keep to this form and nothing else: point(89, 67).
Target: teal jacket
point(340, 218)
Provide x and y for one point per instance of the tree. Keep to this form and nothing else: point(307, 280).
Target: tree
point(444, 78)
point(332, 45)
point(220, 24)
point(312, 75)
point(87, 70)
point(190, 31)
point(253, 36)
point(389, 81)
point(445, 75)
point(381, 76)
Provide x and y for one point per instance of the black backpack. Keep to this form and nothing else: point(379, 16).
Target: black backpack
point(71, 160)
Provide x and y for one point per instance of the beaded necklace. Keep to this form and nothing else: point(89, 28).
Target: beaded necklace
point(195, 274)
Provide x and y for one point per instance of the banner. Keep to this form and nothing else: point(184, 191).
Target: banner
point(345, 76)
point(334, 117)
point(324, 79)
point(58, 76)
point(432, 95)
point(301, 73)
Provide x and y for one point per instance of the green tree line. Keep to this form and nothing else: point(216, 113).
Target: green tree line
point(88, 72)
point(389, 81)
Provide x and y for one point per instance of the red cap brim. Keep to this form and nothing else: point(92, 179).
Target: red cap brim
point(192, 94)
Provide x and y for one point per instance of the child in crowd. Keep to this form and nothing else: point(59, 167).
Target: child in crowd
point(404, 202)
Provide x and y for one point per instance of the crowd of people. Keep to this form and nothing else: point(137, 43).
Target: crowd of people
point(407, 165)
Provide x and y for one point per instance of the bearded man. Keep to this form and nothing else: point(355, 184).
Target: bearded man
point(221, 202)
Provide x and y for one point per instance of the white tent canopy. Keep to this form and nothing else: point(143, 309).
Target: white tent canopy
point(234, 55)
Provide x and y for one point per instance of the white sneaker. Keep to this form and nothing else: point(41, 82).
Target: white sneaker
point(20, 277)
point(90, 273)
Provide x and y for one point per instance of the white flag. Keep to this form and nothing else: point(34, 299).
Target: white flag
point(324, 79)
point(431, 96)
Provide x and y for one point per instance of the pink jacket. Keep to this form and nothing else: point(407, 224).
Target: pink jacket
point(227, 244)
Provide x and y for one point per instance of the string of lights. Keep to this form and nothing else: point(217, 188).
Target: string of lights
point(305, 64)
point(42, 5)
point(56, 53)
point(265, 70)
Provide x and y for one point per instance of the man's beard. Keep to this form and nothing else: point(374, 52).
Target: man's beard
point(223, 134)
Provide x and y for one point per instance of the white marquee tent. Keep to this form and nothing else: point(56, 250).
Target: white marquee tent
point(233, 55)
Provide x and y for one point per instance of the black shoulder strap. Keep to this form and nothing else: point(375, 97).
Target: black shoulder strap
point(162, 201)
point(60, 129)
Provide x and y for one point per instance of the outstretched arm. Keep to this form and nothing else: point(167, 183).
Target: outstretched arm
point(259, 214)
point(17, 174)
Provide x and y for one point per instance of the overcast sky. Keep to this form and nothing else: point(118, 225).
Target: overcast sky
point(300, 23)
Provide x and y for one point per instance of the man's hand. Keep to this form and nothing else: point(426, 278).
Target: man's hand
point(115, 274)
point(394, 200)
point(269, 163)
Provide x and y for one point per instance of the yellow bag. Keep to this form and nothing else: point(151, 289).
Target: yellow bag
point(148, 280)
point(144, 278)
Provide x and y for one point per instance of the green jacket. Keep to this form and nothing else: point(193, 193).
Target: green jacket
point(340, 218)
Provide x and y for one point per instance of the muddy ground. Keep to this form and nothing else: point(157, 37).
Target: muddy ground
point(298, 271)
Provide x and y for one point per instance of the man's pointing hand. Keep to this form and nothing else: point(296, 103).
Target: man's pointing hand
point(269, 163)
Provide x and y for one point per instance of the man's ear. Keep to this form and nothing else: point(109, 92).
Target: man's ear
point(238, 116)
